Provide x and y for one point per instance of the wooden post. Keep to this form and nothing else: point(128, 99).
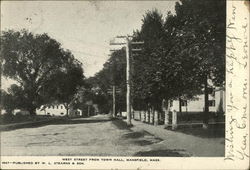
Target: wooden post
point(150, 113)
point(144, 116)
point(156, 120)
point(153, 115)
point(148, 121)
point(174, 120)
point(147, 116)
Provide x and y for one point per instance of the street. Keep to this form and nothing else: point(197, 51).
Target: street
point(100, 136)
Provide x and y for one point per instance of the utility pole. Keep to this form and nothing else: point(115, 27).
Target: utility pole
point(133, 53)
point(113, 89)
point(128, 44)
point(128, 83)
point(113, 100)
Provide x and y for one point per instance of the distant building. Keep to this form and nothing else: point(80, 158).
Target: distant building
point(124, 114)
point(216, 102)
point(20, 112)
point(57, 110)
point(3, 111)
point(16, 112)
point(51, 110)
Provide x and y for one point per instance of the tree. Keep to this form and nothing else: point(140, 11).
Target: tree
point(7, 102)
point(14, 98)
point(145, 85)
point(202, 31)
point(113, 73)
point(180, 53)
point(66, 83)
point(157, 74)
point(32, 60)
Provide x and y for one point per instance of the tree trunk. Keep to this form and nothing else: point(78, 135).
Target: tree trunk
point(32, 111)
point(132, 113)
point(153, 115)
point(140, 115)
point(67, 112)
point(180, 109)
point(206, 107)
point(88, 111)
point(160, 116)
point(67, 109)
point(166, 110)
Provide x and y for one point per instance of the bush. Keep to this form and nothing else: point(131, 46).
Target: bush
point(7, 118)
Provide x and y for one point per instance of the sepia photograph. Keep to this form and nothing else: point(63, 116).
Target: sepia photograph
point(114, 79)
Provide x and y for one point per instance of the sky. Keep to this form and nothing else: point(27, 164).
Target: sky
point(83, 27)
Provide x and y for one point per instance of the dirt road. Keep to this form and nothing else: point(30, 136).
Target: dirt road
point(95, 136)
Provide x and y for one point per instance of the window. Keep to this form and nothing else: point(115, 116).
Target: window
point(210, 90)
point(213, 94)
point(211, 103)
point(57, 106)
point(61, 107)
point(183, 102)
point(48, 107)
point(53, 107)
point(171, 103)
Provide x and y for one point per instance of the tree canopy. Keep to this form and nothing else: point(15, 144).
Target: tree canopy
point(180, 53)
point(112, 74)
point(36, 62)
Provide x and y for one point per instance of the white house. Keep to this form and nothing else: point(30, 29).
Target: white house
point(216, 102)
point(52, 110)
point(57, 110)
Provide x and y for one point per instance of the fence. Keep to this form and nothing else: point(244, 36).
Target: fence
point(176, 119)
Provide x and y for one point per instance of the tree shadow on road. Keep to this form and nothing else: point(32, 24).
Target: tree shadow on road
point(141, 138)
point(134, 135)
point(120, 124)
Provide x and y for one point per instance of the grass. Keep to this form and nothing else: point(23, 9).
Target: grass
point(10, 119)
point(26, 121)
point(213, 131)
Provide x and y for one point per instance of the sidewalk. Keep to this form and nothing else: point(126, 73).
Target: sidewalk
point(192, 145)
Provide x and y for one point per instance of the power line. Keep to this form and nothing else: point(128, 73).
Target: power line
point(128, 44)
point(89, 54)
